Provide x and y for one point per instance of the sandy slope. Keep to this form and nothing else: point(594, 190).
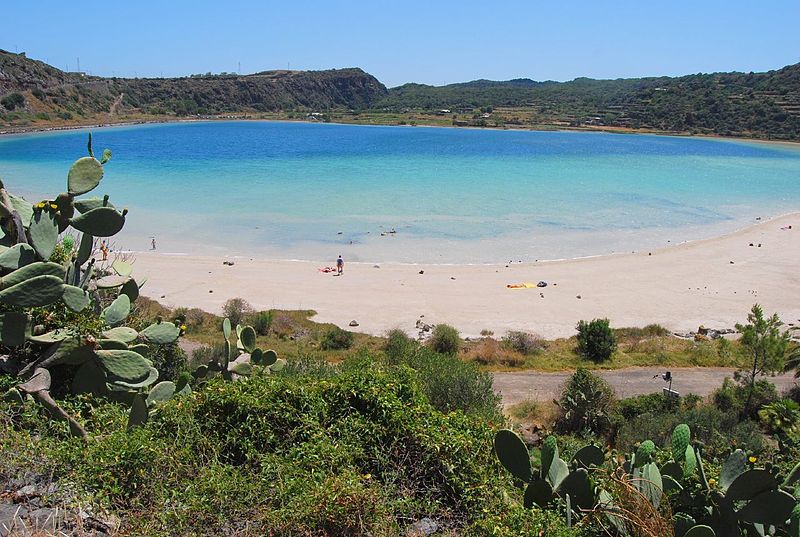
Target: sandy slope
point(712, 282)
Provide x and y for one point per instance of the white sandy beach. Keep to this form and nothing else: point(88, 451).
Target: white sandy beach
point(712, 282)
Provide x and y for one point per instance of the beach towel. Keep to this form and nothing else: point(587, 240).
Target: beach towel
point(327, 269)
point(523, 285)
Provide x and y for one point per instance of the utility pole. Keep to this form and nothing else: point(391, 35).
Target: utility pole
point(239, 67)
point(79, 64)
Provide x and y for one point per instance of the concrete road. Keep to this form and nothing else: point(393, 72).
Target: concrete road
point(546, 386)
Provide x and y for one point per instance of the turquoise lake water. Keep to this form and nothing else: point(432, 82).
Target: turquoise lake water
point(314, 191)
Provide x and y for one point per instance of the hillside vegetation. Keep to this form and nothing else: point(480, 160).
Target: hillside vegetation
point(760, 105)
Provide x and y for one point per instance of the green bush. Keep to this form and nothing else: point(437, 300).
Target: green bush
point(170, 360)
point(261, 322)
point(398, 345)
point(733, 396)
point(445, 339)
point(452, 384)
point(12, 101)
point(337, 339)
point(585, 404)
point(596, 340)
point(781, 418)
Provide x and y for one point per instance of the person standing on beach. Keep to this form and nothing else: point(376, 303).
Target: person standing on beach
point(340, 265)
point(153, 243)
point(104, 249)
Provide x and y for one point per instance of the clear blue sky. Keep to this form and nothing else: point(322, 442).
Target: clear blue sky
point(430, 41)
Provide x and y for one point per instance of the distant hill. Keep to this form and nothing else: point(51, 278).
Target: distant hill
point(761, 105)
point(48, 90)
point(734, 104)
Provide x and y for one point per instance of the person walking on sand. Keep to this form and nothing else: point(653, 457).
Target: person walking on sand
point(153, 243)
point(339, 265)
point(104, 249)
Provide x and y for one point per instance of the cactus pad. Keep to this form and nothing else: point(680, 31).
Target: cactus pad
point(242, 368)
point(43, 232)
point(84, 176)
point(538, 492)
point(750, 484)
point(75, 298)
point(549, 451)
point(513, 454)
point(27, 272)
point(699, 531)
point(589, 456)
point(117, 311)
point(577, 486)
point(161, 333)
point(17, 256)
point(270, 357)
point(644, 453)
point(152, 377)
point(681, 436)
point(100, 222)
point(163, 391)
point(138, 415)
point(125, 334)
point(87, 204)
point(733, 467)
point(124, 365)
point(248, 338)
point(36, 291)
point(121, 267)
point(768, 508)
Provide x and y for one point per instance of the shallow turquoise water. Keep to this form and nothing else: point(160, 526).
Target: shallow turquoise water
point(286, 190)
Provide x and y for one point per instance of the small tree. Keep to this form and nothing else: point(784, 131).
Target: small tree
point(445, 339)
point(585, 403)
point(596, 340)
point(235, 309)
point(767, 346)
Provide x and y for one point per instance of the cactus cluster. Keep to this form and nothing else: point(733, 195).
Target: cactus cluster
point(113, 363)
point(241, 355)
point(555, 478)
point(744, 501)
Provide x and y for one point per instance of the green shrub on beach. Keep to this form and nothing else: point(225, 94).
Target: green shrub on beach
point(445, 339)
point(398, 345)
point(337, 339)
point(596, 340)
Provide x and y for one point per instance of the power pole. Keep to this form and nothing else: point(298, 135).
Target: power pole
point(79, 65)
point(239, 67)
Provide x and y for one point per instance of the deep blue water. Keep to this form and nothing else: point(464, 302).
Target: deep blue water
point(287, 190)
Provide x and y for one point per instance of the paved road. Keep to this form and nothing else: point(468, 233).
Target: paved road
point(541, 386)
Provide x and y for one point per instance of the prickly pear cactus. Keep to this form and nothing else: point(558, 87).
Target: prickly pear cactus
point(111, 358)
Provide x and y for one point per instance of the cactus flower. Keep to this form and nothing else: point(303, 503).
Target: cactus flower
point(712, 482)
point(53, 206)
point(752, 459)
point(183, 328)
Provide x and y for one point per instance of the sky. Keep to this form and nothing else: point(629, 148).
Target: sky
point(432, 42)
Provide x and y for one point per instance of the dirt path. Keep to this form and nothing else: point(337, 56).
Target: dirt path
point(545, 386)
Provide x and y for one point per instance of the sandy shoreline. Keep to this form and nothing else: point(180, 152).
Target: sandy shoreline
point(712, 282)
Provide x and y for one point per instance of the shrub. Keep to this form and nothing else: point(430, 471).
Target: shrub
point(490, 352)
point(398, 345)
point(585, 403)
point(261, 321)
point(337, 339)
point(596, 340)
point(781, 418)
point(523, 342)
point(170, 360)
point(13, 100)
point(445, 339)
point(733, 396)
point(451, 384)
point(207, 353)
point(235, 309)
